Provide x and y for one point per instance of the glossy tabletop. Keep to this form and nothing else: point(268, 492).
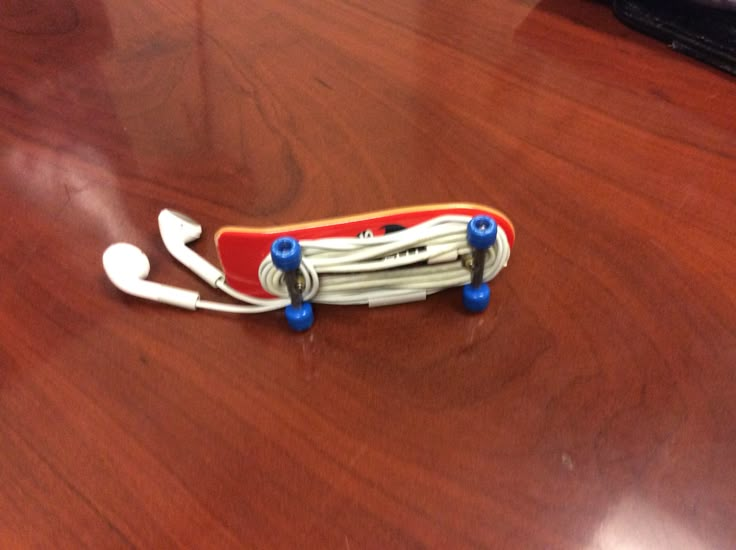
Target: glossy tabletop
point(592, 406)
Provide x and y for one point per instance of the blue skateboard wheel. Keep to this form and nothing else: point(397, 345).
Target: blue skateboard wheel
point(482, 231)
point(286, 253)
point(476, 299)
point(300, 318)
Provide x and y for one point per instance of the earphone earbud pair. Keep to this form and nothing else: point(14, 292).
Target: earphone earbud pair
point(127, 267)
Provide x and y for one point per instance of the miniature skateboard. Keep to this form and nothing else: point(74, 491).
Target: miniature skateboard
point(242, 249)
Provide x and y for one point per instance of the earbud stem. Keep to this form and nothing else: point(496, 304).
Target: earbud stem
point(175, 296)
point(201, 267)
point(165, 294)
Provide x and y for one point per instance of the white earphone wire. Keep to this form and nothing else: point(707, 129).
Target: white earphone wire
point(398, 267)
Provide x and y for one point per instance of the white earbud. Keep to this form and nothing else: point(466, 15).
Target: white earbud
point(176, 231)
point(127, 267)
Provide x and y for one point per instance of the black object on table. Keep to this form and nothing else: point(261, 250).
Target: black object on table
point(705, 33)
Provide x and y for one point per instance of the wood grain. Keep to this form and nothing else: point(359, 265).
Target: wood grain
point(592, 406)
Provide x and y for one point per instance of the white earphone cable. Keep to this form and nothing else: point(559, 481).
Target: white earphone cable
point(397, 267)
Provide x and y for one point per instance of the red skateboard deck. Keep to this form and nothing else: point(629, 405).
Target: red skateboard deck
point(242, 249)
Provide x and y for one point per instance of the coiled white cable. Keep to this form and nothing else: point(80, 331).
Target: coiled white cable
point(399, 267)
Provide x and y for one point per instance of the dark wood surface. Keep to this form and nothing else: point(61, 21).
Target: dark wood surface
point(592, 406)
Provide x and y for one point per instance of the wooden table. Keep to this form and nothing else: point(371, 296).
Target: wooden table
point(592, 406)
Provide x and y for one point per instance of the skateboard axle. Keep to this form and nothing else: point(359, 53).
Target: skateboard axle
point(482, 231)
point(287, 256)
